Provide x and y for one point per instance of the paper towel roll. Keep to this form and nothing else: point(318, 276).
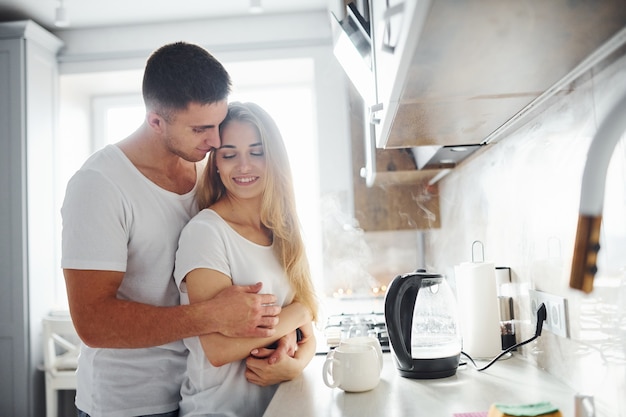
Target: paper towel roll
point(479, 315)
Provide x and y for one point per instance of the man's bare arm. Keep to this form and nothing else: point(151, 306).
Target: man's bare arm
point(103, 320)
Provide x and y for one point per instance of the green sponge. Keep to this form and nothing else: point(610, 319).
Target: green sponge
point(524, 410)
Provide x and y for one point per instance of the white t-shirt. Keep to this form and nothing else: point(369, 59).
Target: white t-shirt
point(209, 242)
point(116, 219)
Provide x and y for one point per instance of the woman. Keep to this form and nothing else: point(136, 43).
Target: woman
point(247, 231)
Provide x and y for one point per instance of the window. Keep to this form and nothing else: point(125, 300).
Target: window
point(115, 117)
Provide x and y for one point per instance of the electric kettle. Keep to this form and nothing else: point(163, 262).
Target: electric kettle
point(422, 324)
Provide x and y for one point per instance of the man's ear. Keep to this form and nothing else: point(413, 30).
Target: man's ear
point(155, 121)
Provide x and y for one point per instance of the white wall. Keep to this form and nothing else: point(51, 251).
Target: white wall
point(126, 47)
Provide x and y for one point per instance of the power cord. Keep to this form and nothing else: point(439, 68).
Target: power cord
point(542, 314)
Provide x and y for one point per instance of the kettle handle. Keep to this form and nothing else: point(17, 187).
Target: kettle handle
point(399, 305)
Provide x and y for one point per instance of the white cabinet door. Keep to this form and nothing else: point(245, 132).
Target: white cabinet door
point(28, 77)
point(13, 286)
point(397, 25)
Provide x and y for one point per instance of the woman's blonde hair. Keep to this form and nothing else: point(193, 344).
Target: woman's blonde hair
point(278, 207)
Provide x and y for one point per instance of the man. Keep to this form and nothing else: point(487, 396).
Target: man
point(122, 216)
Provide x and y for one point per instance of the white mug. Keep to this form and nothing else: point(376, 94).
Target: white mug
point(366, 340)
point(352, 367)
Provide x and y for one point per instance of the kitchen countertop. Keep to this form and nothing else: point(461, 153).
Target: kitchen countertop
point(513, 381)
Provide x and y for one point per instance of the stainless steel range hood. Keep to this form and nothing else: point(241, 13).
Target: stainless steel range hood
point(473, 69)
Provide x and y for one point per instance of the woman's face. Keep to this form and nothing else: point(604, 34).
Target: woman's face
point(240, 160)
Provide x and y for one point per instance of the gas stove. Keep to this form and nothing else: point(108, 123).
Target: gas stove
point(343, 326)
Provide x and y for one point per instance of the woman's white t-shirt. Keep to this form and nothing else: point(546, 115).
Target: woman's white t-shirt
point(209, 242)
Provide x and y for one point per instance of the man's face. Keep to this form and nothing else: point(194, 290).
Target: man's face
point(193, 132)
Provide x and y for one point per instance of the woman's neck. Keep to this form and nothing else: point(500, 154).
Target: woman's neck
point(245, 217)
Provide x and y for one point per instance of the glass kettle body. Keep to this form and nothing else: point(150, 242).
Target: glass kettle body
point(422, 324)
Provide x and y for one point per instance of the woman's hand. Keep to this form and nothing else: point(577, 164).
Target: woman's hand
point(280, 365)
point(286, 345)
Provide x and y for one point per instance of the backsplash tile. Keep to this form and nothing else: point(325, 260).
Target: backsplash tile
point(520, 198)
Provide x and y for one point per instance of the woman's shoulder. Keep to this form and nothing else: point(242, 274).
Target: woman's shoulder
point(205, 225)
point(207, 216)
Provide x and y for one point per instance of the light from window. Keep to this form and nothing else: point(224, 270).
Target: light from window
point(122, 121)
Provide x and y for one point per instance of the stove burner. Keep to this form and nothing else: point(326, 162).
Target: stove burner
point(342, 326)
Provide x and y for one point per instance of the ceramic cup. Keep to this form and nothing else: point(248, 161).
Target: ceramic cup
point(352, 368)
point(366, 340)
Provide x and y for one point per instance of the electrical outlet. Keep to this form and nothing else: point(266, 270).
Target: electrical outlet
point(557, 320)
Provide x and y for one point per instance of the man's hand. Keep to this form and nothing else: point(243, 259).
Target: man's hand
point(242, 312)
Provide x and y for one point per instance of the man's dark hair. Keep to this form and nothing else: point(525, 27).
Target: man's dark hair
point(181, 73)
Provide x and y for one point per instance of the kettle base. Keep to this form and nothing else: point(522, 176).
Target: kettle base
point(431, 368)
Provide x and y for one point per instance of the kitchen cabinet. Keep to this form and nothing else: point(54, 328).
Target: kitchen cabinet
point(28, 83)
point(453, 73)
point(451, 77)
point(357, 42)
point(454, 76)
point(395, 30)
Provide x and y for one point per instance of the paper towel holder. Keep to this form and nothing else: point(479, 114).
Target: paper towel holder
point(482, 250)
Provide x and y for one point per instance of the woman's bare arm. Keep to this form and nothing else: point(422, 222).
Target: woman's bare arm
point(203, 284)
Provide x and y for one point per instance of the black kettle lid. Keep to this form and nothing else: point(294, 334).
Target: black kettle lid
point(424, 274)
